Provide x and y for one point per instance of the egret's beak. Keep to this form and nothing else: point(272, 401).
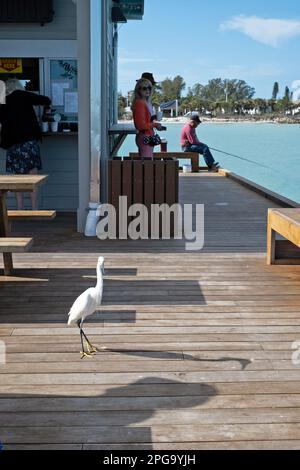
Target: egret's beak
point(103, 270)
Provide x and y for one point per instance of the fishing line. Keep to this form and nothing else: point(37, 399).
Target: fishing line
point(242, 158)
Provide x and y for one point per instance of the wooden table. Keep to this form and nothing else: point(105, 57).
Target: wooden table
point(120, 131)
point(16, 184)
point(285, 222)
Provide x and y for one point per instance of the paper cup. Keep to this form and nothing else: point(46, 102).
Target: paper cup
point(54, 126)
point(45, 126)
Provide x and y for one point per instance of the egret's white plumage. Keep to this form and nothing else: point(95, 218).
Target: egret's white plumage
point(87, 303)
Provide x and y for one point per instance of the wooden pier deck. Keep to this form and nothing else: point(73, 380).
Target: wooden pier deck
point(197, 345)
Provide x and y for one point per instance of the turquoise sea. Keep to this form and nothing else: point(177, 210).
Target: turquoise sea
point(274, 145)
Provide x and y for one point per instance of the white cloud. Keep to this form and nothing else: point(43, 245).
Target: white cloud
point(267, 31)
point(296, 84)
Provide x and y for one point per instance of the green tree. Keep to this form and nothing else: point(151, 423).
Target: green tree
point(122, 102)
point(227, 90)
point(238, 90)
point(275, 91)
point(287, 94)
point(178, 86)
point(171, 89)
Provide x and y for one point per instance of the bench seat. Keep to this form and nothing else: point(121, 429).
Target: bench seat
point(15, 245)
point(192, 156)
point(31, 215)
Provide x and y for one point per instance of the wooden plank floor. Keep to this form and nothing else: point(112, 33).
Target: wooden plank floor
point(195, 347)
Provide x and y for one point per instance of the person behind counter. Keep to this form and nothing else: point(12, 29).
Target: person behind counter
point(21, 133)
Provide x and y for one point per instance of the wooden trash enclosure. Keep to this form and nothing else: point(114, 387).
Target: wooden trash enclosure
point(144, 182)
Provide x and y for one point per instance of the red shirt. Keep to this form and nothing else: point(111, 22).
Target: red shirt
point(188, 136)
point(142, 118)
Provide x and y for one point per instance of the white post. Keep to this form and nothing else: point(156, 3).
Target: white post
point(84, 144)
point(96, 133)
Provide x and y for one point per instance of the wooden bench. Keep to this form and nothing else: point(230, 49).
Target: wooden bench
point(285, 222)
point(192, 156)
point(31, 215)
point(15, 245)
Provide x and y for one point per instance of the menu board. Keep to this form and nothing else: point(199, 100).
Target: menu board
point(64, 85)
point(58, 91)
point(71, 102)
point(2, 92)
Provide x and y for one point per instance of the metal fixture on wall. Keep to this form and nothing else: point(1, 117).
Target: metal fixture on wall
point(20, 11)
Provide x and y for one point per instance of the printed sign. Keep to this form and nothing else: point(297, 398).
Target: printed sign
point(11, 66)
point(2, 92)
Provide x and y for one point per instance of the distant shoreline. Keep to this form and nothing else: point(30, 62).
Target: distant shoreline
point(237, 120)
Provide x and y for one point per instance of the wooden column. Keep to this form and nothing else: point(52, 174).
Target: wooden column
point(5, 232)
point(271, 242)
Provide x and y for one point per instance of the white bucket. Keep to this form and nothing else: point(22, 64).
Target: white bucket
point(187, 168)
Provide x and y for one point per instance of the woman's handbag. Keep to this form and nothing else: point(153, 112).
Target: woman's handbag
point(152, 140)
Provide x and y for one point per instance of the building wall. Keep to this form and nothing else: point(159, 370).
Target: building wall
point(62, 27)
point(59, 154)
point(60, 162)
point(63, 160)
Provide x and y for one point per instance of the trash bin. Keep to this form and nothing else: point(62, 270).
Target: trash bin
point(144, 182)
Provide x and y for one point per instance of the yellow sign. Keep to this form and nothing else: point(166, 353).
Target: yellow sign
point(11, 66)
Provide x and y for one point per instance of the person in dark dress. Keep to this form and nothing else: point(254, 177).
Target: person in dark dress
point(21, 133)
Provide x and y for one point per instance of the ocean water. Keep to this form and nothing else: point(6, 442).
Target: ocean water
point(276, 146)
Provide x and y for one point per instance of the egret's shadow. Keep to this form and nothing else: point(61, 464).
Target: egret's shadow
point(169, 355)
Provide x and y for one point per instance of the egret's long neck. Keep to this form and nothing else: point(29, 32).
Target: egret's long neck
point(99, 285)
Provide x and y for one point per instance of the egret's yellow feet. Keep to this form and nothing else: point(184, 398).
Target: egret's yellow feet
point(85, 354)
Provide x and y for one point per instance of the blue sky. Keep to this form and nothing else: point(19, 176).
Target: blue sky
point(258, 41)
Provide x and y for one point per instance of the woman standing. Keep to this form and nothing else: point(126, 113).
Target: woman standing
point(142, 117)
point(21, 133)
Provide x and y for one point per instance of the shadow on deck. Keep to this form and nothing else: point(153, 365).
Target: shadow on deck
point(196, 347)
point(235, 221)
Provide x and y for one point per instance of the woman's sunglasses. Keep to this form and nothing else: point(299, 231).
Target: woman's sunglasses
point(146, 88)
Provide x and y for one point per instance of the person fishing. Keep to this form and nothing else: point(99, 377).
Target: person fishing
point(190, 143)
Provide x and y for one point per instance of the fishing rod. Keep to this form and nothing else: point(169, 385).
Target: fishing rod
point(241, 158)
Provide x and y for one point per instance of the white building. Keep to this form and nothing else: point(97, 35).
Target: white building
point(71, 56)
point(296, 90)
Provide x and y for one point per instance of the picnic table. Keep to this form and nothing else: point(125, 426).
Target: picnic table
point(9, 245)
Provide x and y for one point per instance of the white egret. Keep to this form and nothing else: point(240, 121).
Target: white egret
point(85, 305)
